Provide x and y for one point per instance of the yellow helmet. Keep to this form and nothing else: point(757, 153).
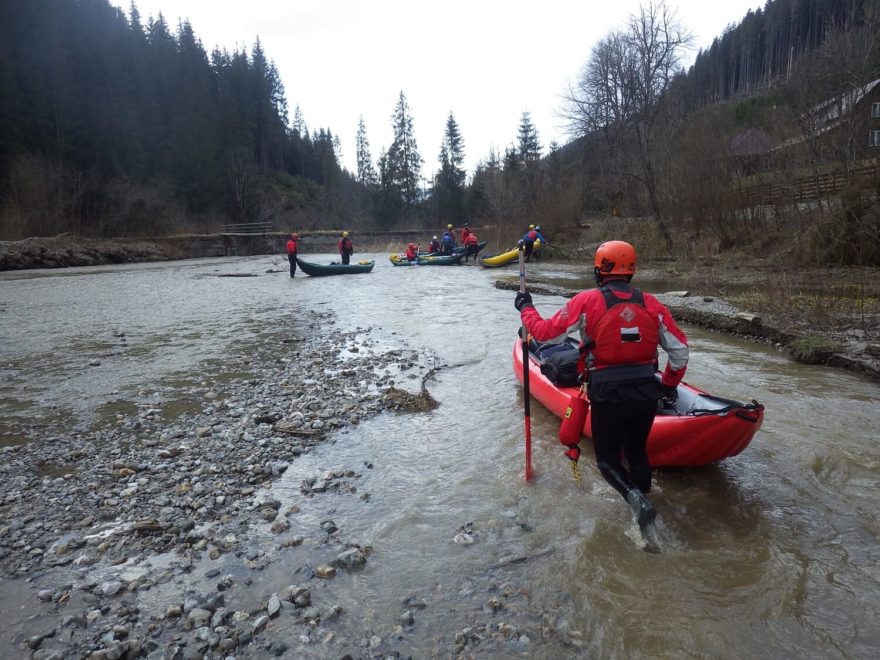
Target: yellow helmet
point(531, 226)
point(345, 234)
point(449, 226)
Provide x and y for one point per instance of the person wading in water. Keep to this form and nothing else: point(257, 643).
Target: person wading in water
point(620, 329)
point(292, 246)
point(346, 249)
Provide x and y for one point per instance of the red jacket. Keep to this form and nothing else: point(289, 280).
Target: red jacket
point(411, 254)
point(291, 246)
point(470, 239)
point(583, 313)
point(345, 246)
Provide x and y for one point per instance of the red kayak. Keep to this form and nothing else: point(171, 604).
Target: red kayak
point(700, 429)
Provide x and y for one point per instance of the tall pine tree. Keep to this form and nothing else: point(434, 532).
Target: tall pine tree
point(404, 162)
point(449, 183)
point(366, 173)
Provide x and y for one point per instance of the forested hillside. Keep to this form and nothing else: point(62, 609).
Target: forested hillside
point(712, 158)
point(766, 48)
point(112, 125)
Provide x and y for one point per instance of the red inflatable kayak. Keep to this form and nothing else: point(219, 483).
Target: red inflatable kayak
point(700, 429)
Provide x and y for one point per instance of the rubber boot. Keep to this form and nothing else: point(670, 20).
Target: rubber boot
point(642, 509)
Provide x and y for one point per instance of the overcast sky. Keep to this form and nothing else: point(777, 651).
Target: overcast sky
point(486, 61)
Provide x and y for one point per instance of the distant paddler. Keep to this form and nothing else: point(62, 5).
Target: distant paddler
point(292, 246)
point(346, 248)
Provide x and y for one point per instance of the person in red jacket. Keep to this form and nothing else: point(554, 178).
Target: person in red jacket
point(528, 241)
point(620, 329)
point(465, 231)
point(412, 252)
point(346, 249)
point(292, 246)
point(470, 243)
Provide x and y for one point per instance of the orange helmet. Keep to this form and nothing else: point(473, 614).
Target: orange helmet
point(615, 258)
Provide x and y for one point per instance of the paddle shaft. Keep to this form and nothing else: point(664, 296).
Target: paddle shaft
point(525, 359)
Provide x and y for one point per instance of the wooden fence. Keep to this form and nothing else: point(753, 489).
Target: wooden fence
point(810, 188)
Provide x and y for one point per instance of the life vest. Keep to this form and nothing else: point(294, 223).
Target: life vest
point(470, 239)
point(448, 240)
point(434, 247)
point(411, 253)
point(291, 246)
point(531, 236)
point(624, 339)
point(345, 245)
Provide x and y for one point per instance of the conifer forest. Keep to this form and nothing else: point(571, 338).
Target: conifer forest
point(116, 124)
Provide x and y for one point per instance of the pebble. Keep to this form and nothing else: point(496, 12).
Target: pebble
point(188, 488)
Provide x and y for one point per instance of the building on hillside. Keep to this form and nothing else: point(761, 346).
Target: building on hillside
point(838, 149)
point(854, 113)
point(874, 127)
point(751, 151)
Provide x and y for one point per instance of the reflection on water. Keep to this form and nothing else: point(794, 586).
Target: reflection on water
point(771, 553)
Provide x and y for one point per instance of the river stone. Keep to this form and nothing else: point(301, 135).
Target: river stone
point(111, 588)
point(274, 605)
point(463, 538)
point(199, 617)
point(260, 623)
point(278, 648)
point(351, 558)
point(325, 571)
point(147, 525)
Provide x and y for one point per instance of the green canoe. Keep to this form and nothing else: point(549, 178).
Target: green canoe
point(320, 270)
point(461, 249)
point(443, 260)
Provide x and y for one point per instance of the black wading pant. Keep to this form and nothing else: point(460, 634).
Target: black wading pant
point(346, 257)
point(292, 259)
point(621, 429)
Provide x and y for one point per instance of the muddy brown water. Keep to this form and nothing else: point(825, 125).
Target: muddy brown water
point(773, 553)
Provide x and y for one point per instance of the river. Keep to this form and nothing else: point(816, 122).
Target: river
point(773, 553)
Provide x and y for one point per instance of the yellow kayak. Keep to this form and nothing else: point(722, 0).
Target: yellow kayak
point(496, 260)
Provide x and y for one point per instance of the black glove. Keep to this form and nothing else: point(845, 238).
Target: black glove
point(522, 301)
point(668, 395)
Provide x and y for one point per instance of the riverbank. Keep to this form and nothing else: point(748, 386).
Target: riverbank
point(829, 317)
point(165, 498)
point(67, 250)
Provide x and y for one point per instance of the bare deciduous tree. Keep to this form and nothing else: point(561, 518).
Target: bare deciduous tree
point(621, 92)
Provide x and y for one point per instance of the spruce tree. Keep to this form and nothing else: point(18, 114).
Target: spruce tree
point(404, 162)
point(529, 148)
point(449, 184)
point(366, 173)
